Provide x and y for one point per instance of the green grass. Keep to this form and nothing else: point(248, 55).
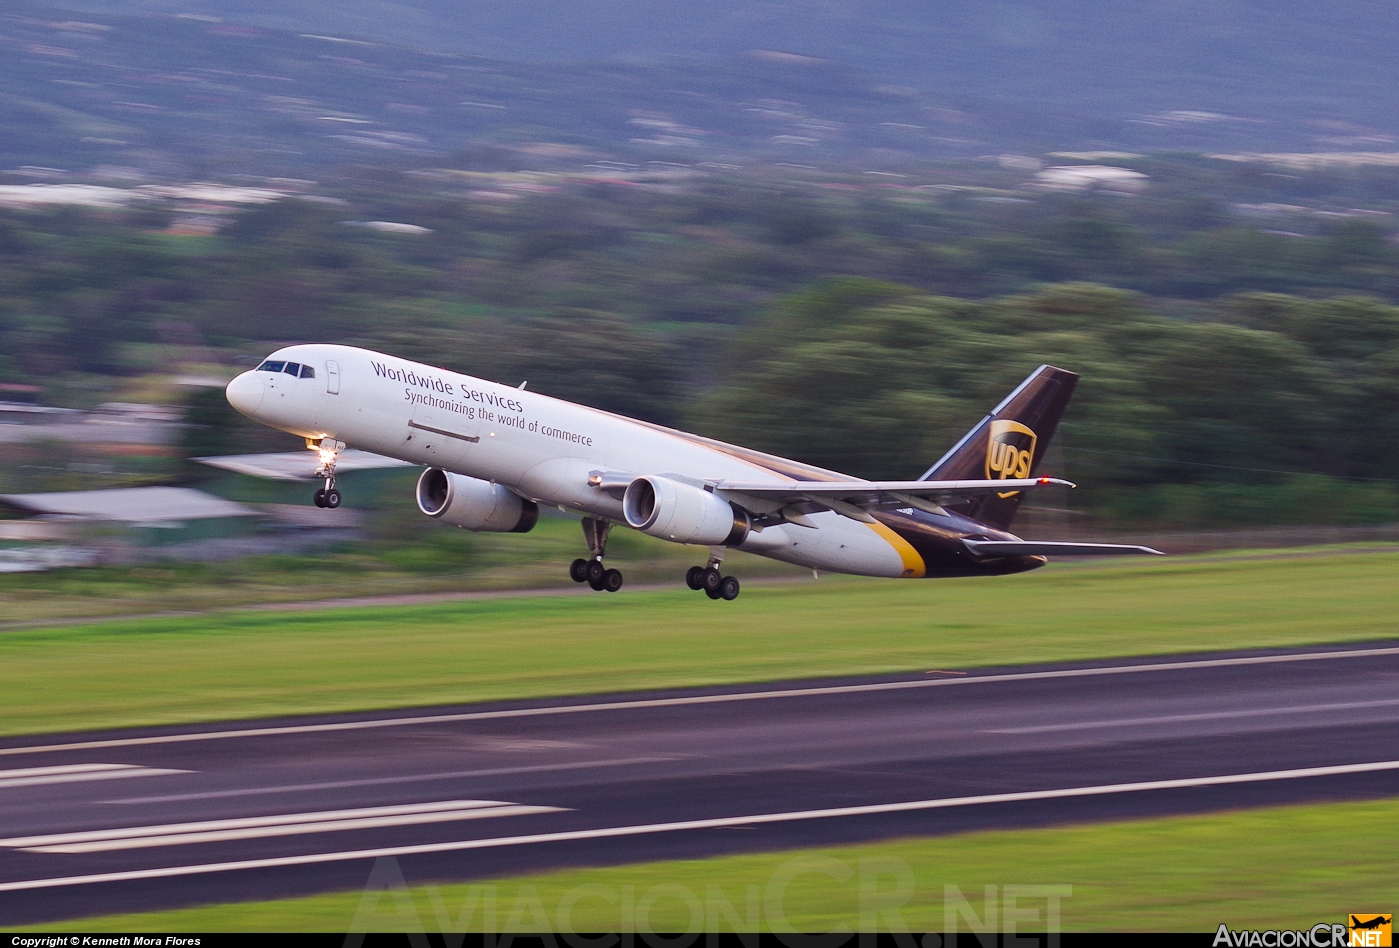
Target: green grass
point(248, 665)
point(1285, 867)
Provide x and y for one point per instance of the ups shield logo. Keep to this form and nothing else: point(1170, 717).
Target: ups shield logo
point(1010, 452)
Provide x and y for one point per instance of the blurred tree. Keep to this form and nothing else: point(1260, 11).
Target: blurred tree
point(1237, 398)
point(1357, 244)
point(1351, 327)
point(1355, 342)
point(599, 359)
point(12, 238)
point(1094, 244)
point(792, 224)
point(1235, 259)
point(286, 225)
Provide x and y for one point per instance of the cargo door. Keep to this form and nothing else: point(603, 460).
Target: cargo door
point(446, 429)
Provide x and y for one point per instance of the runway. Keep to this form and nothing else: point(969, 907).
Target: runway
point(136, 820)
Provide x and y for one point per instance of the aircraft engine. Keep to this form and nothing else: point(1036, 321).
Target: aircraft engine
point(674, 511)
point(474, 504)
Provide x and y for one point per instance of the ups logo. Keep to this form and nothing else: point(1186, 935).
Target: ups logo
point(1010, 452)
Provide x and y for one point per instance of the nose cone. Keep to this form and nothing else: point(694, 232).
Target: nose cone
point(245, 393)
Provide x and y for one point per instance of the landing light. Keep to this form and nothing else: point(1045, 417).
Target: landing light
point(325, 448)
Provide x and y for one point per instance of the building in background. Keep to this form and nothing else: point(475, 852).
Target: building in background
point(151, 524)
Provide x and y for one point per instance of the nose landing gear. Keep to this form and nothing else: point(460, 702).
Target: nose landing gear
point(326, 496)
point(592, 571)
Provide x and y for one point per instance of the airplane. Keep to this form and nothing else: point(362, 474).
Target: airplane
point(495, 454)
point(1375, 922)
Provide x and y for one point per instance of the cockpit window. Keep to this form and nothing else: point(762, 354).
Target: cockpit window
point(307, 372)
point(270, 366)
point(293, 369)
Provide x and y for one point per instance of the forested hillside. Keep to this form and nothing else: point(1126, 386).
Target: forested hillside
point(167, 96)
point(190, 90)
point(1281, 61)
point(1233, 371)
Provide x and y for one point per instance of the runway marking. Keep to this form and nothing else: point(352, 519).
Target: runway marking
point(1204, 716)
point(258, 827)
point(377, 781)
point(76, 773)
point(694, 700)
point(720, 823)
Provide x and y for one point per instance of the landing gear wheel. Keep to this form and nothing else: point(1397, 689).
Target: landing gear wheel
point(711, 593)
point(595, 573)
point(693, 577)
point(332, 499)
point(318, 498)
point(728, 588)
point(710, 581)
point(591, 570)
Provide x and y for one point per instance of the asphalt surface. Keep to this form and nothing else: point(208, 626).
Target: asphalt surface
point(136, 820)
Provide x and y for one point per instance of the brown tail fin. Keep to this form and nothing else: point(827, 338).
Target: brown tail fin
point(1009, 442)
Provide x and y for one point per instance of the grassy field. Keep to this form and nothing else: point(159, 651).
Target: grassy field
point(258, 664)
point(1285, 867)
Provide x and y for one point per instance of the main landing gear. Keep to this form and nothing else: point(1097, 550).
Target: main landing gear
point(715, 584)
point(595, 574)
point(326, 496)
point(591, 570)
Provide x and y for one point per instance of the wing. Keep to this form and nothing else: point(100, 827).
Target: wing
point(1054, 548)
point(298, 465)
point(855, 499)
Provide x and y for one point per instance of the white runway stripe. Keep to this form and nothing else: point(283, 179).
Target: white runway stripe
point(381, 781)
point(1181, 719)
point(75, 773)
point(257, 827)
point(1204, 716)
point(971, 679)
point(645, 829)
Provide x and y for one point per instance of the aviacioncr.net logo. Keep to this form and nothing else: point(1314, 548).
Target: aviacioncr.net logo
point(1010, 452)
point(1371, 930)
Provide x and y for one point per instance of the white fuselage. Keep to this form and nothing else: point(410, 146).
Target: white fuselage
point(543, 448)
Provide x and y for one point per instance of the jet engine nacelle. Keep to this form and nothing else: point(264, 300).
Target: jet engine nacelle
point(474, 504)
point(674, 511)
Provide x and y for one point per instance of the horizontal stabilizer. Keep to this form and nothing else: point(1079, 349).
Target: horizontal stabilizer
point(1054, 548)
point(299, 465)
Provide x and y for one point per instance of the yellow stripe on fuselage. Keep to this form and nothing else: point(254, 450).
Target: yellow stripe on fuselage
point(914, 567)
